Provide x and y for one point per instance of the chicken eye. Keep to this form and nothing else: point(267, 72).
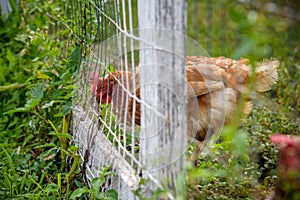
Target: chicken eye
point(103, 87)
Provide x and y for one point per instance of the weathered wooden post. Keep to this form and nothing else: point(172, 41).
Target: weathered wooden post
point(163, 141)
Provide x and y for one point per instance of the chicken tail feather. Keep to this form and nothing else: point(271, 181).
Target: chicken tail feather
point(266, 75)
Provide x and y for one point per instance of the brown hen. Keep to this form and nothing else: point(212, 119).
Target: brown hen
point(217, 84)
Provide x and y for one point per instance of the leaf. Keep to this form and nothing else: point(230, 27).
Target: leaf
point(240, 141)
point(110, 68)
point(106, 170)
point(96, 184)
point(67, 108)
point(35, 59)
point(112, 194)
point(3, 72)
point(22, 38)
point(16, 110)
point(49, 104)
point(77, 183)
point(37, 92)
point(236, 16)
point(23, 52)
point(10, 161)
point(42, 76)
point(72, 148)
point(79, 192)
point(32, 103)
point(181, 186)
point(74, 60)
point(11, 58)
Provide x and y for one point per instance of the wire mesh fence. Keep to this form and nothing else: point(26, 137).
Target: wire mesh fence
point(103, 141)
point(108, 122)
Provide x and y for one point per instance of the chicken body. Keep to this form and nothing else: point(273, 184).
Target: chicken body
point(215, 84)
point(288, 167)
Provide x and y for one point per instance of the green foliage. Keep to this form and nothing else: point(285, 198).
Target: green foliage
point(36, 92)
point(243, 165)
point(95, 191)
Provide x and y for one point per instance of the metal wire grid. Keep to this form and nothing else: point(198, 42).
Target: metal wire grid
point(104, 139)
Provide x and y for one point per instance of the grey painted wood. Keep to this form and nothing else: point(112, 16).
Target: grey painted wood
point(162, 26)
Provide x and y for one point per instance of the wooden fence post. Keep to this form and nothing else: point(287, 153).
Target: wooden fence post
point(163, 140)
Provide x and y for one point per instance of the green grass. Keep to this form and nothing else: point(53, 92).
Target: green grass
point(37, 74)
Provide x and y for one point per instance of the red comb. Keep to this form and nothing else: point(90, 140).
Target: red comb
point(280, 139)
